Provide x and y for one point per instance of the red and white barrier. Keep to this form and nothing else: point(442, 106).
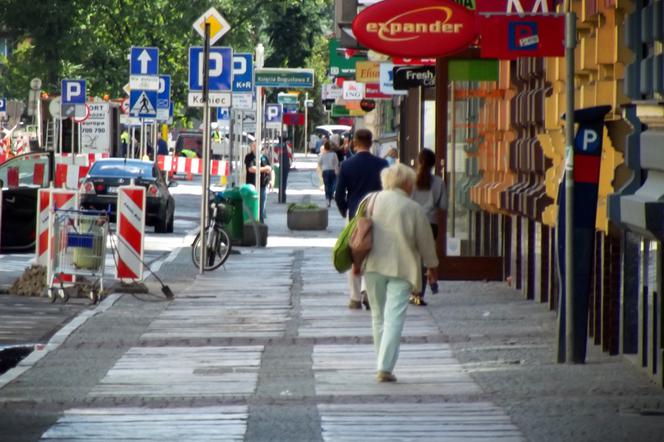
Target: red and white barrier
point(70, 169)
point(57, 199)
point(191, 166)
point(131, 228)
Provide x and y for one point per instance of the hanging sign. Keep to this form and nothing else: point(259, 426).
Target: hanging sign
point(510, 37)
point(414, 76)
point(416, 28)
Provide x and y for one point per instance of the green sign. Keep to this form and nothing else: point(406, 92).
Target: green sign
point(339, 110)
point(283, 98)
point(283, 77)
point(473, 70)
point(340, 66)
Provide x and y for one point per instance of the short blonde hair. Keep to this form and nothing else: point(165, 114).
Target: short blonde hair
point(397, 176)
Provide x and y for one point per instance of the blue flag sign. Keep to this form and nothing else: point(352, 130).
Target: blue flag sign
point(243, 72)
point(220, 68)
point(144, 61)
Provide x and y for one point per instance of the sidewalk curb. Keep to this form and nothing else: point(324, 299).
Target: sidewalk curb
point(56, 340)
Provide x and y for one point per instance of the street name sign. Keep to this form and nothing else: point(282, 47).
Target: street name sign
point(218, 25)
point(220, 68)
point(284, 78)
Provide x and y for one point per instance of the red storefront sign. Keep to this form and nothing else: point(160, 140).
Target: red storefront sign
point(372, 91)
point(508, 37)
point(413, 61)
point(416, 28)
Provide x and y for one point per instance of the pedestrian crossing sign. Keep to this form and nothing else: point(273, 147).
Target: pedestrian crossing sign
point(143, 104)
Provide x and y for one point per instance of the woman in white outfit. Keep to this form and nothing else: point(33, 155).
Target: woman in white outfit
point(402, 239)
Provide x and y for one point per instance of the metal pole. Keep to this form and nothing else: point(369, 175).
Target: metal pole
point(260, 53)
point(132, 147)
point(141, 150)
point(453, 162)
point(154, 140)
point(232, 133)
point(306, 124)
point(206, 148)
point(60, 120)
point(570, 310)
point(73, 134)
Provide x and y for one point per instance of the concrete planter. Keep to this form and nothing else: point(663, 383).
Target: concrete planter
point(307, 219)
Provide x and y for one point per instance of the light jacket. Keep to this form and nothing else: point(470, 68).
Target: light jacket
point(402, 238)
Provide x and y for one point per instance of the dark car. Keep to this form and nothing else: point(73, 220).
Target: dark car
point(20, 179)
point(99, 189)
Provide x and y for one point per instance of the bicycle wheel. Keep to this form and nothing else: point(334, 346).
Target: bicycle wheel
point(219, 247)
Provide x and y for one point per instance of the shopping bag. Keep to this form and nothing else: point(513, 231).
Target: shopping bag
point(341, 255)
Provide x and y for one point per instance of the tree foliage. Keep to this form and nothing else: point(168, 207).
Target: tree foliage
point(56, 39)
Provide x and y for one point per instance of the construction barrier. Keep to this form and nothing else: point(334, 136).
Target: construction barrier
point(130, 228)
point(70, 169)
point(191, 166)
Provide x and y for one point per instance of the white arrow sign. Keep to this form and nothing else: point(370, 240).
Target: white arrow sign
point(145, 60)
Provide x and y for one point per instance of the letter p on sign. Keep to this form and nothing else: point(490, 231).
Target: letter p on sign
point(589, 140)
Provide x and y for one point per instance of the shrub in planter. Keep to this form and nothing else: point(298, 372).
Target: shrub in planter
point(306, 217)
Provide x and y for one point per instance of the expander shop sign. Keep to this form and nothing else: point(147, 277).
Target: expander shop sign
point(417, 28)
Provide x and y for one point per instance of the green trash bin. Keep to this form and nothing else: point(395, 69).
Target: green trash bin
point(250, 201)
point(234, 203)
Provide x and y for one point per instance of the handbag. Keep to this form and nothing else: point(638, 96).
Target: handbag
point(361, 240)
point(341, 256)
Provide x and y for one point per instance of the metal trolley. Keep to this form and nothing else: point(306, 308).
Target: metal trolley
point(77, 247)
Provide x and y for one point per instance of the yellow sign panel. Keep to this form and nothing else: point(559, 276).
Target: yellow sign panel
point(218, 25)
point(367, 72)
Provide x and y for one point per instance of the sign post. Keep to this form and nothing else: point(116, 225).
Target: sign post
point(260, 54)
point(211, 26)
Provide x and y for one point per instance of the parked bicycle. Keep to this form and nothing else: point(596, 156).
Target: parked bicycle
point(218, 243)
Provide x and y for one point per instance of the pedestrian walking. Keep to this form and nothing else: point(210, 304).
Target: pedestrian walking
point(328, 163)
point(431, 194)
point(265, 170)
point(402, 239)
point(358, 176)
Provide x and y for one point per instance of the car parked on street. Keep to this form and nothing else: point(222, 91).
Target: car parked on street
point(99, 189)
point(21, 178)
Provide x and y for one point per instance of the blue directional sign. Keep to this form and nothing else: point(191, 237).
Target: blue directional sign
point(220, 69)
point(223, 114)
point(3, 104)
point(73, 92)
point(164, 92)
point(144, 61)
point(243, 72)
point(143, 104)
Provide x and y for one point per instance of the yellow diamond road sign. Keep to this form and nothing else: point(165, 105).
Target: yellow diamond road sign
point(218, 25)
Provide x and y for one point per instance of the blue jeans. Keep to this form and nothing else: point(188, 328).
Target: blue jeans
point(388, 298)
point(263, 201)
point(330, 181)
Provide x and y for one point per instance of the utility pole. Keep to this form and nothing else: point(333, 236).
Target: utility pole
point(206, 148)
point(260, 54)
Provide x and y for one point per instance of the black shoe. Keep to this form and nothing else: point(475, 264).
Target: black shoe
point(365, 300)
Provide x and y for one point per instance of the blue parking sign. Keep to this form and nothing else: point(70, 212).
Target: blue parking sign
point(220, 67)
point(73, 92)
point(3, 104)
point(164, 92)
point(144, 61)
point(243, 72)
point(273, 115)
point(223, 113)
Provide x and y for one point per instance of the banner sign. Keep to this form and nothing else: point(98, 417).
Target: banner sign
point(372, 91)
point(587, 160)
point(386, 84)
point(352, 90)
point(416, 28)
point(509, 37)
point(367, 72)
point(406, 77)
point(340, 64)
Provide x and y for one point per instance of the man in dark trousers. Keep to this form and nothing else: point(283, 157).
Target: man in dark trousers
point(359, 176)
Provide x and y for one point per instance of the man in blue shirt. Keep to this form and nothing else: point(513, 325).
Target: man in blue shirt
point(359, 176)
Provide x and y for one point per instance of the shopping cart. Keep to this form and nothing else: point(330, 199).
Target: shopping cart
point(77, 247)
